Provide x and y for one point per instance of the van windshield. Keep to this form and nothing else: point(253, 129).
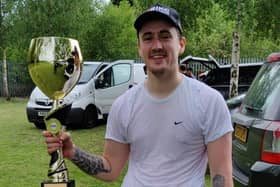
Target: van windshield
point(87, 72)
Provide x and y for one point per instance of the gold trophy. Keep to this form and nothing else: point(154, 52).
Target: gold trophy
point(55, 65)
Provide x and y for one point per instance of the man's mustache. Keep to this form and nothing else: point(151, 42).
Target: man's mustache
point(158, 52)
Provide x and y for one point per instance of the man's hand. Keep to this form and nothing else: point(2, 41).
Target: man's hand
point(63, 141)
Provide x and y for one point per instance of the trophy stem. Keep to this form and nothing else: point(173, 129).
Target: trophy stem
point(57, 171)
point(57, 168)
point(55, 104)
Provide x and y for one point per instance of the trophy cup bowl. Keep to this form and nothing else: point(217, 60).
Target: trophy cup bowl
point(55, 65)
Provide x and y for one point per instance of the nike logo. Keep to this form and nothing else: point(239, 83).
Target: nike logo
point(177, 123)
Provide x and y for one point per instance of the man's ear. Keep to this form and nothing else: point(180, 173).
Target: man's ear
point(138, 47)
point(183, 43)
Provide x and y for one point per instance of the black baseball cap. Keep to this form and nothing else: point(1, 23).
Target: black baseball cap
point(156, 12)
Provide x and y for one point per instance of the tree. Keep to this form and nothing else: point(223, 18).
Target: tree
point(212, 34)
point(62, 18)
point(106, 32)
point(268, 16)
point(112, 35)
point(5, 11)
point(259, 30)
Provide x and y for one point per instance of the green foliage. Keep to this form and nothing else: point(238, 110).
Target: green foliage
point(268, 16)
point(105, 31)
point(48, 18)
point(212, 34)
point(6, 7)
point(259, 23)
point(260, 47)
point(113, 36)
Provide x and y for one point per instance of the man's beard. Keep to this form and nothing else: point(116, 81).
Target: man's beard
point(158, 72)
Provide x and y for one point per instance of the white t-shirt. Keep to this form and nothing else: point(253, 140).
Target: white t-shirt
point(168, 137)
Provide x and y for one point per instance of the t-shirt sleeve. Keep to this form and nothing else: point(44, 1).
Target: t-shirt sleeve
point(217, 119)
point(115, 129)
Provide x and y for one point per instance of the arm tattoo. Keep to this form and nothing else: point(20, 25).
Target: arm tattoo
point(91, 164)
point(218, 181)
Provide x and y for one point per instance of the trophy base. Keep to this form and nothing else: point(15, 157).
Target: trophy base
point(70, 183)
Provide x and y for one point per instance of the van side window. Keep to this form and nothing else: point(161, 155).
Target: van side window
point(115, 75)
point(104, 79)
point(121, 73)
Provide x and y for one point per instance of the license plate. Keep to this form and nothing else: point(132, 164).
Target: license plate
point(241, 133)
point(40, 113)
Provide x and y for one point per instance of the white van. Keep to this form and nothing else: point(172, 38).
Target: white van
point(91, 99)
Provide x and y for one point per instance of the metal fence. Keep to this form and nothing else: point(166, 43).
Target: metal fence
point(21, 85)
point(19, 81)
point(198, 67)
point(244, 60)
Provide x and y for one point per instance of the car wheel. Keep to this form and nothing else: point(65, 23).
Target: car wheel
point(40, 125)
point(90, 117)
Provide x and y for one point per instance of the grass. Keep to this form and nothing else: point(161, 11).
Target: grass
point(24, 159)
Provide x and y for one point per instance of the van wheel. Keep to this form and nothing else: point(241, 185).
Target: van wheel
point(40, 125)
point(90, 117)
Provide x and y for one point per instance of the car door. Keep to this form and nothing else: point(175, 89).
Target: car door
point(111, 82)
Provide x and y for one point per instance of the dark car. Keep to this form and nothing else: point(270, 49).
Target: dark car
point(256, 138)
point(217, 75)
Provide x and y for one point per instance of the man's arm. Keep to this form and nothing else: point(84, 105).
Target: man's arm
point(107, 167)
point(220, 161)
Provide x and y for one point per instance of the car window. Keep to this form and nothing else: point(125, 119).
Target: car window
point(87, 72)
point(113, 76)
point(247, 74)
point(104, 80)
point(122, 73)
point(264, 91)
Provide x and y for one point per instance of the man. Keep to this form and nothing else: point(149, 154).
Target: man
point(182, 68)
point(189, 73)
point(166, 136)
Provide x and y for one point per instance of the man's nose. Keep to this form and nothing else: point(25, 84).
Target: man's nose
point(156, 44)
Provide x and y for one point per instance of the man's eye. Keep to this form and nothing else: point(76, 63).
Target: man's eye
point(147, 38)
point(165, 36)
